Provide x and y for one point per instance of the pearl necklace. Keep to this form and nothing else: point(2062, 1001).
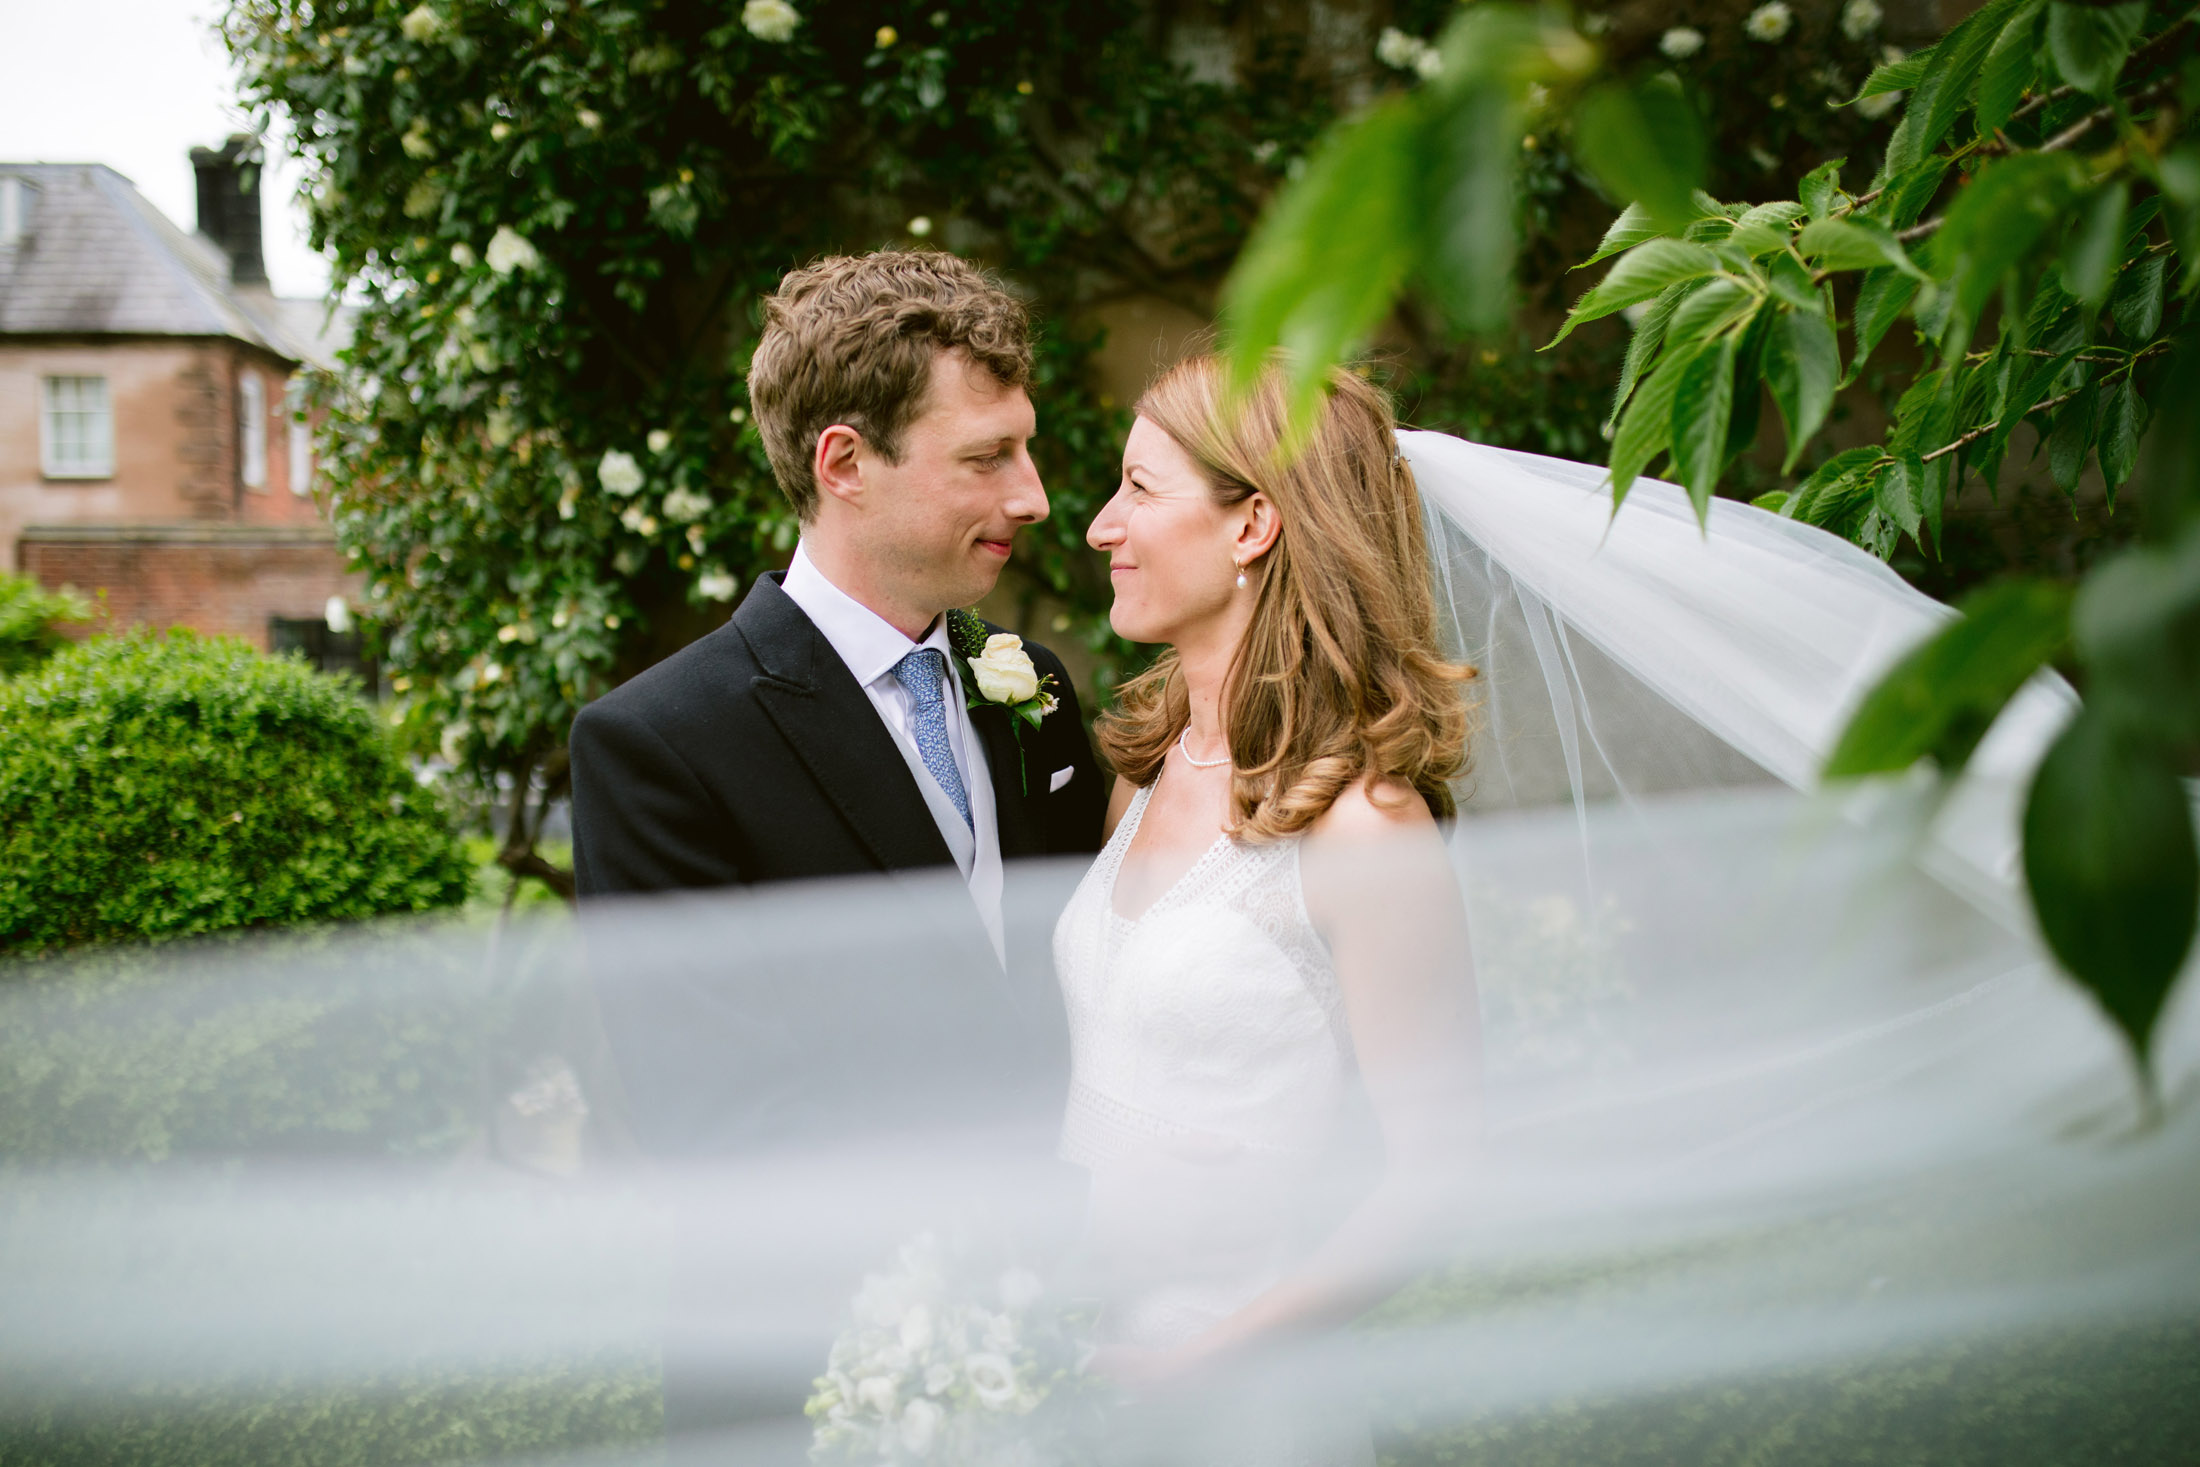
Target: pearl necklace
point(1186, 750)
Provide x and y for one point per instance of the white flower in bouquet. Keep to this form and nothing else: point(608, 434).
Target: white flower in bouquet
point(1859, 18)
point(618, 473)
point(770, 20)
point(920, 1427)
point(509, 251)
point(1770, 22)
point(1681, 42)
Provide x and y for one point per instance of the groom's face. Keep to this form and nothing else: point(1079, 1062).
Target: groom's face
point(943, 520)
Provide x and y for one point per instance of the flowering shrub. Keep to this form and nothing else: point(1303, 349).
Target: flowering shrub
point(156, 788)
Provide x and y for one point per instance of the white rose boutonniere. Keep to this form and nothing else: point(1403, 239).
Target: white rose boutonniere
point(998, 673)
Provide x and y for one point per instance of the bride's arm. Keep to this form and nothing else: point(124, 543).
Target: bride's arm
point(1380, 888)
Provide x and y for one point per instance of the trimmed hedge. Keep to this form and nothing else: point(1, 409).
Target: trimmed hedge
point(162, 786)
point(30, 622)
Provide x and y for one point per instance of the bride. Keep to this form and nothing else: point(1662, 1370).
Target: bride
point(1274, 923)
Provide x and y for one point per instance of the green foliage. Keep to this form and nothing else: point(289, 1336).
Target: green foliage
point(2058, 143)
point(159, 787)
point(31, 618)
point(560, 220)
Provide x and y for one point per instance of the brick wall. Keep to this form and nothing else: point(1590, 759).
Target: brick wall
point(212, 582)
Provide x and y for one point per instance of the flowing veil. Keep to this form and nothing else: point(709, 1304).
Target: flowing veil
point(1797, 1147)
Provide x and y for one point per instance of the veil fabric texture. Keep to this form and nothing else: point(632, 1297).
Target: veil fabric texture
point(1797, 1147)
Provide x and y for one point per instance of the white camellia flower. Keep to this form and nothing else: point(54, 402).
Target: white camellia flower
point(1770, 22)
point(463, 256)
point(770, 20)
point(920, 226)
point(1004, 670)
point(992, 1380)
point(685, 506)
point(1681, 42)
point(716, 585)
point(618, 473)
point(421, 24)
point(1859, 18)
point(337, 614)
point(1394, 48)
point(589, 118)
point(659, 440)
point(509, 251)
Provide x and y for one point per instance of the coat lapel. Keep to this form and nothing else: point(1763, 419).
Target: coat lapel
point(827, 719)
point(1011, 807)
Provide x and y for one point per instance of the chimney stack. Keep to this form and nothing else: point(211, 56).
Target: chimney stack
point(229, 204)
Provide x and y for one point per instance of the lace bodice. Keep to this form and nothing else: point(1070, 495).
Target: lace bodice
point(1211, 1025)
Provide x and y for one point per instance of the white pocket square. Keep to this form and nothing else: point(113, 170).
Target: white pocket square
point(1061, 777)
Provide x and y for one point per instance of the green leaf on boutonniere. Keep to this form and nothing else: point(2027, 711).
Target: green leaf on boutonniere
point(966, 634)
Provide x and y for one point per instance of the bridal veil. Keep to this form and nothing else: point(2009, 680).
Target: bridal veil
point(1798, 1148)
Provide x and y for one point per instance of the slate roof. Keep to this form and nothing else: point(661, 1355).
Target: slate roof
point(96, 259)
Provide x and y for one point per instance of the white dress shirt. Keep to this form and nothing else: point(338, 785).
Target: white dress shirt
point(871, 647)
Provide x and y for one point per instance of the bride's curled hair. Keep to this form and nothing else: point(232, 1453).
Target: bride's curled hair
point(1339, 677)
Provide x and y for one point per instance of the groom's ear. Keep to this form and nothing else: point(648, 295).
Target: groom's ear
point(836, 463)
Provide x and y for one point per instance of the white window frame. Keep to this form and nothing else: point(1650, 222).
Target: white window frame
point(15, 210)
point(301, 439)
point(83, 449)
point(251, 430)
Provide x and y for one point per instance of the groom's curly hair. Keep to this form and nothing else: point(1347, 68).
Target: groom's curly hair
point(850, 339)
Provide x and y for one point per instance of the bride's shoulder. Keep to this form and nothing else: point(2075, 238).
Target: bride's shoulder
point(1372, 810)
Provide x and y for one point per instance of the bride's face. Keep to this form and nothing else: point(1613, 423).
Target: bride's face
point(1169, 544)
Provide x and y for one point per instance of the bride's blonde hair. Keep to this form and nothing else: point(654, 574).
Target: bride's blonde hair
point(1339, 678)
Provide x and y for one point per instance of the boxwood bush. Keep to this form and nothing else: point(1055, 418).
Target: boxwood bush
point(31, 618)
point(162, 786)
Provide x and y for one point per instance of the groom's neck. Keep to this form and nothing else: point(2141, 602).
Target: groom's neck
point(858, 578)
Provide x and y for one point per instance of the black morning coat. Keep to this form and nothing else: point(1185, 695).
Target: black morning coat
point(752, 756)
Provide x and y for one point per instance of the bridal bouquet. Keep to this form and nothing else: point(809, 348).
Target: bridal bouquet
point(937, 1365)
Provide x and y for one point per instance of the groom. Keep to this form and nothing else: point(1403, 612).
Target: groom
point(826, 729)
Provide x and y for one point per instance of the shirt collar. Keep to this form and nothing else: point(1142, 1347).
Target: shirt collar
point(866, 642)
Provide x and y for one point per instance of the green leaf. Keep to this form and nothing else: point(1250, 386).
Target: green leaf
point(1853, 244)
point(2089, 44)
point(1772, 500)
point(2009, 69)
point(1880, 301)
point(1645, 144)
point(2115, 878)
point(1643, 345)
point(1646, 430)
point(1900, 495)
point(2091, 252)
point(1802, 368)
point(1646, 270)
point(2071, 440)
point(1940, 699)
point(2119, 448)
point(2137, 628)
point(1468, 268)
point(1703, 402)
point(1332, 253)
point(1945, 88)
point(1909, 192)
point(1631, 228)
point(1995, 221)
point(1820, 187)
point(2137, 305)
point(1895, 76)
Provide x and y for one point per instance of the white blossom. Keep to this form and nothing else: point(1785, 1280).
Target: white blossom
point(462, 255)
point(1004, 671)
point(421, 24)
point(1681, 42)
point(1770, 22)
point(1395, 48)
point(1859, 18)
point(770, 20)
point(919, 226)
point(618, 473)
point(337, 614)
point(659, 440)
point(685, 506)
point(509, 251)
point(920, 1425)
point(589, 118)
point(992, 1380)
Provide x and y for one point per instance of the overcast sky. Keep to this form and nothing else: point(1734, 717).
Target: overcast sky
point(135, 84)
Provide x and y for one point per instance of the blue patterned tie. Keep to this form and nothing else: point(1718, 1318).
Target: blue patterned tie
point(921, 673)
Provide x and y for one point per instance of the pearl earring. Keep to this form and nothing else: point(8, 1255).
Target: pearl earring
point(1241, 577)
